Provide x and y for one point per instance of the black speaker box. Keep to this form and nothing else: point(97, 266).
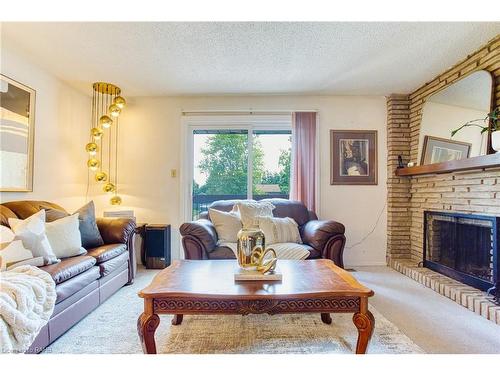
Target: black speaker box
point(157, 246)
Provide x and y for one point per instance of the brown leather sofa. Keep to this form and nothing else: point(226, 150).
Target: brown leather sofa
point(324, 238)
point(82, 282)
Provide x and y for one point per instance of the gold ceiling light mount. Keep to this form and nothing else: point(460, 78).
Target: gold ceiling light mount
point(102, 148)
point(107, 89)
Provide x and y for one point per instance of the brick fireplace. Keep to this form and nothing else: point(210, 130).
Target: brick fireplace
point(472, 192)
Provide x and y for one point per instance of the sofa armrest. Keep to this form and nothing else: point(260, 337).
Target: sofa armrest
point(326, 236)
point(198, 238)
point(120, 230)
point(116, 230)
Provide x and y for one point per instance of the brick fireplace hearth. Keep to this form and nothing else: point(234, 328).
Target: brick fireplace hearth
point(473, 299)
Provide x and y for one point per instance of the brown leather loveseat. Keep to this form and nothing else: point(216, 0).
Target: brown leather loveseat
point(82, 282)
point(325, 238)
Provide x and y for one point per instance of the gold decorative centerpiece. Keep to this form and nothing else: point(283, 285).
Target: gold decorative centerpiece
point(102, 148)
point(253, 257)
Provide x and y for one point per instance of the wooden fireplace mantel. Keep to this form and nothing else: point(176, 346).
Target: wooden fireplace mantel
point(477, 162)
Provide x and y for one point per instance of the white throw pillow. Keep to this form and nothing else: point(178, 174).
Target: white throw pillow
point(227, 224)
point(31, 232)
point(250, 210)
point(6, 234)
point(64, 236)
point(279, 230)
point(11, 251)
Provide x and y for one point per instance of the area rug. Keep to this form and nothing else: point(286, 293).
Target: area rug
point(111, 328)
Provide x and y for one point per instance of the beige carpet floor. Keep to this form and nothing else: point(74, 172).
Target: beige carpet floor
point(111, 328)
point(435, 323)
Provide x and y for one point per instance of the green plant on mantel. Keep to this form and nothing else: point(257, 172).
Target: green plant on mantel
point(493, 116)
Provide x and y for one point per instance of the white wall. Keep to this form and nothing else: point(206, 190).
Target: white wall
point(151, 146)
point(62, 118)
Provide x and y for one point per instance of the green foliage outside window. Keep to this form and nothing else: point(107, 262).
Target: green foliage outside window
point(224, 162)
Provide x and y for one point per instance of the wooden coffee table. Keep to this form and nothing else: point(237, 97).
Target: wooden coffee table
point(208, 287)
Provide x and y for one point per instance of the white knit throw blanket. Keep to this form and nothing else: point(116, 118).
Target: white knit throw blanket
point(286, 250)
point(27, 299)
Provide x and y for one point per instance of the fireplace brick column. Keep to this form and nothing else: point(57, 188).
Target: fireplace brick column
point(398, 188)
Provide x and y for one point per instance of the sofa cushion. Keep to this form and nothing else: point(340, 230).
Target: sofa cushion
point(24, 209)
point(224, 205)
point(106, 252)
point(116, 229)
point(75, 284)
point(288, 208)
point(69, 267)
point(5, 214)
point(107, 267)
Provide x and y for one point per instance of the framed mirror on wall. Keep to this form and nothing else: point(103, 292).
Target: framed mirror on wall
point(17, 127)
point(467, 100)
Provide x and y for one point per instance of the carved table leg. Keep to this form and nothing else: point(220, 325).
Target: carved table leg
point(326, 318)
point(177, 319)
point(146, 327)
point(364, 322)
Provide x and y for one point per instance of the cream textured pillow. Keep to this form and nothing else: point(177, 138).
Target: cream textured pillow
point(279, 230)
point(64, 236)
point(250, 210)
point(227, 224)
point(31, 232)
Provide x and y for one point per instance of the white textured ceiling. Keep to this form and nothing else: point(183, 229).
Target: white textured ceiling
point(149, 59)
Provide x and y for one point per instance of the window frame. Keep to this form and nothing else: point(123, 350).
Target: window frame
point(250, 123)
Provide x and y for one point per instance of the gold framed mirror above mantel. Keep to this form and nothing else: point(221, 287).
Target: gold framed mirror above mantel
point(17, 133)
point(471, 98)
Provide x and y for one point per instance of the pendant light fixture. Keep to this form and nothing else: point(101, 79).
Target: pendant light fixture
point(102, 148)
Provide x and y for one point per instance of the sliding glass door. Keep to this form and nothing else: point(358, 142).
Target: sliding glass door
point(246, 162)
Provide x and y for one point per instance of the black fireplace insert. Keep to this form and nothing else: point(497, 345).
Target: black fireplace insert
point(463, 247)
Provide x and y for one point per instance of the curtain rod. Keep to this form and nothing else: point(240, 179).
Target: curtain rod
point(243, 112)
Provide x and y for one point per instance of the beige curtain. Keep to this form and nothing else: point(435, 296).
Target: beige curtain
point(303, 180)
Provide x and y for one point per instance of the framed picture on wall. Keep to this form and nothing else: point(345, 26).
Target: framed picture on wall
point(353, 157)
point(439, 150)
point(17, 123)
